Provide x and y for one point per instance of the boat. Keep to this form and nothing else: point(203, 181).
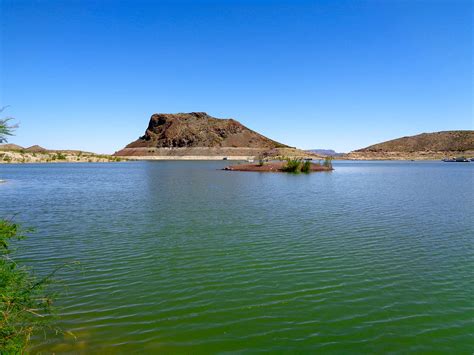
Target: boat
point(457, 160)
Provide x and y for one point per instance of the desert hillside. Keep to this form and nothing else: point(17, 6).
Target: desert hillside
point(422, 146)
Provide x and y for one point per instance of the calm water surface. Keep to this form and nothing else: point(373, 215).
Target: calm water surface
point(181, 257)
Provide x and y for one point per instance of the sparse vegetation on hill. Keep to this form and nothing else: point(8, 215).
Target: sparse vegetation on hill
point(447, 141)
point(422, 146)
point(12, 153)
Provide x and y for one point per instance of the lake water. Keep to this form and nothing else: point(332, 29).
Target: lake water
point(181, 257)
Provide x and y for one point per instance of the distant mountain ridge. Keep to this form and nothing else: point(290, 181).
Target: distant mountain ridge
point(325, 152)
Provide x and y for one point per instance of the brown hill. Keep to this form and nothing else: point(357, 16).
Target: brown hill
point(36, 149)
point(11, 146)
point(423, 146)
point(198, 135)
point(447, 141)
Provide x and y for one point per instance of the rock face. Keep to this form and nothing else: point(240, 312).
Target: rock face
point(422, 146)
point(197, 134)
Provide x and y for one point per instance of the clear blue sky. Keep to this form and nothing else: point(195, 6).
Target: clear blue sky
point(312, 74)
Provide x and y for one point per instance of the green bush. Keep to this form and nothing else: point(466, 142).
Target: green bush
point(328, 162)
point(60, 156)
point(293, 165)
point(24, 306)
point(306, 167)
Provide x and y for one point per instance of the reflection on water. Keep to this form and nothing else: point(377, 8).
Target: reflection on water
point(181, 256)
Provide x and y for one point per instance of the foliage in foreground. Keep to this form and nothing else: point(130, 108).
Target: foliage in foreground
point(6, 129)
point(24, 306)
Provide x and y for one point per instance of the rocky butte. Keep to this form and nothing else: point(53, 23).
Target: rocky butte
point(198, 136)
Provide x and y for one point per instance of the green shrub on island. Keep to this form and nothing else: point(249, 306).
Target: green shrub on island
point(328, 162)
point(293, 165)
point(261, 160)
point(25, 308)
point(297, 165)
point(306, 166)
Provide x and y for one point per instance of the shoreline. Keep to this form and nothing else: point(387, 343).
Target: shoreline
point(406, 156)
point(192, 158)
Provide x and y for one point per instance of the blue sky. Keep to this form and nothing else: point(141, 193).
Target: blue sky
point(312, 74)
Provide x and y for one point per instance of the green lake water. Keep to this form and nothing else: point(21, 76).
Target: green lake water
point(180, 257)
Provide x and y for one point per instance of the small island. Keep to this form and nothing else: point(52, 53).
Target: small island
point(289, 165)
